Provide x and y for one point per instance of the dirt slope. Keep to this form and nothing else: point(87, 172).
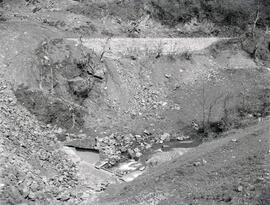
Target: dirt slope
point(233, 170)
point(56, 92)
point(86, 97)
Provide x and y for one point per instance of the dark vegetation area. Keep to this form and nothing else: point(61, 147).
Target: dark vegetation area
point(251, 106)
point(225, 12)
point(229, 16)
point(50, 110)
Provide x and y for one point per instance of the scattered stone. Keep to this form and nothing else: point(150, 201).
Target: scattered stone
point(32, 196)
point(142, 168)
point(35, 9)
point(138, 137)
point(138, 154)
point(196, 164)
point(148, 146)
point(85, 196)
point(10, 100)
point(227, 198)
point(36, 149)
point(83, 136)
point(133, 114)
point(131, 153)
point(128, 138)
point(182, 138)
point(147, 132)
point(59, 131)
point(123, 149)
point(240, 188)
point(64, 196)
point(168, 75)
point(165, 146)
point(1, 186)
point(204, 161)
point(163, 104)
point(234, 140)
point(177, 107)
point(165, 137)
point(34, 186)
point(46, 58)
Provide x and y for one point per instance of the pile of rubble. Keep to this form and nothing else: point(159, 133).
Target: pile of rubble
point(120, 147)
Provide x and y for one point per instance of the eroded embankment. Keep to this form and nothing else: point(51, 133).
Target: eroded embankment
point(230, 170)
point(130, 104)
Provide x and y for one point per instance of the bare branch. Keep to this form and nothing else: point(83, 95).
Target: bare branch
point(256, 19)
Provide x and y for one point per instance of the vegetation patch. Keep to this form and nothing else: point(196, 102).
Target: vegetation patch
point(51, 110)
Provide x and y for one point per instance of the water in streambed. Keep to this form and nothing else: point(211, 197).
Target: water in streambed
point(158, 154)
point(90, 156)
point(90, 177)
point(169, 147)
point(131, 169)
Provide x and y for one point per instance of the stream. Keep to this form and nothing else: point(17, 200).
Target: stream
point(131, 169)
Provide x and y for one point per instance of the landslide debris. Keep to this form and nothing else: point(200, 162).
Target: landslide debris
point(67, 76)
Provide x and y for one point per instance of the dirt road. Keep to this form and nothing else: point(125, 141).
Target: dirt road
point(144, 46)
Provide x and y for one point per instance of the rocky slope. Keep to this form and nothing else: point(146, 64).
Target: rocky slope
point(233, 170)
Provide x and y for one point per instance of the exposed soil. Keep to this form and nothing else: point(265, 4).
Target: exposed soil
point(234, 170)
point(138, 124)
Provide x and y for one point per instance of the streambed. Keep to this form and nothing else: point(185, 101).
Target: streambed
point(130, 169)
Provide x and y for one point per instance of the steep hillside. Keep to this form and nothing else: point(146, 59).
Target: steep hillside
point(234, 170)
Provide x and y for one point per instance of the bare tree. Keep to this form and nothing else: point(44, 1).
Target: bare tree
point(203, 105)
point(104, 48)
point(257, 17)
